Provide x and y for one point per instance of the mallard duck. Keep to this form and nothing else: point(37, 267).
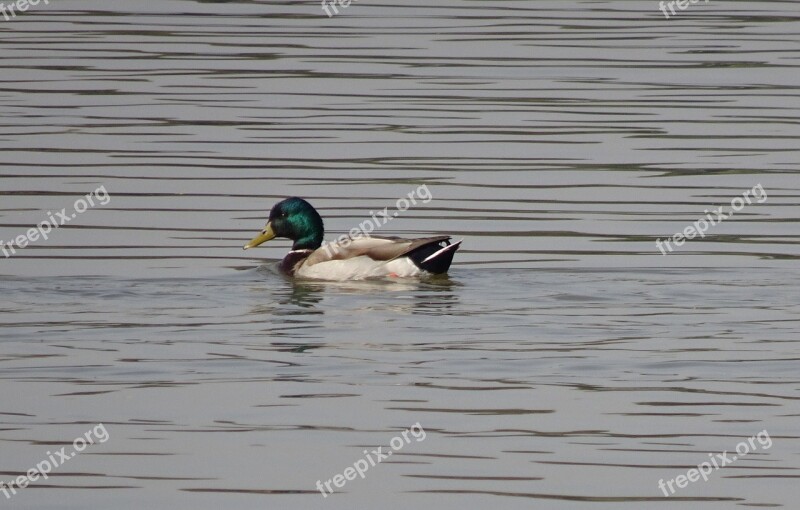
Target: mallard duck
point(350, 258)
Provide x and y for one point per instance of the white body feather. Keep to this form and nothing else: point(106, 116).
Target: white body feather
point(358, 268)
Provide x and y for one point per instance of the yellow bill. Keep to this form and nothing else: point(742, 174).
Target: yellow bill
point(261, 238)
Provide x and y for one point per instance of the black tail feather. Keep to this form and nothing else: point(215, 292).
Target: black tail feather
point(434, 257)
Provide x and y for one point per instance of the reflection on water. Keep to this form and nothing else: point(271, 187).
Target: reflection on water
point(563, 362)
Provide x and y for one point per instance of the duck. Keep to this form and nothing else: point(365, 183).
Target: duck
point(351, 257)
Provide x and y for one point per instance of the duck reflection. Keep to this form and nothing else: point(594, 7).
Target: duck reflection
point(431, 295)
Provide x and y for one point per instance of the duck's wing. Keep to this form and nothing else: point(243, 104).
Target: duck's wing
point(374, 247)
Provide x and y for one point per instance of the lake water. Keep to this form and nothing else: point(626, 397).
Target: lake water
point(564, 363)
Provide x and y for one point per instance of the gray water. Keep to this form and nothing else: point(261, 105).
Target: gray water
point(563, 363)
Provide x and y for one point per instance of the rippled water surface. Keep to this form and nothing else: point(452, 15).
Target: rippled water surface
point(563, 363)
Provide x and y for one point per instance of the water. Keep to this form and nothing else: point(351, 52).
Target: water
point(564, 363)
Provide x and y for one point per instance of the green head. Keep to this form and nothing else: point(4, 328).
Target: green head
point(295, 219)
